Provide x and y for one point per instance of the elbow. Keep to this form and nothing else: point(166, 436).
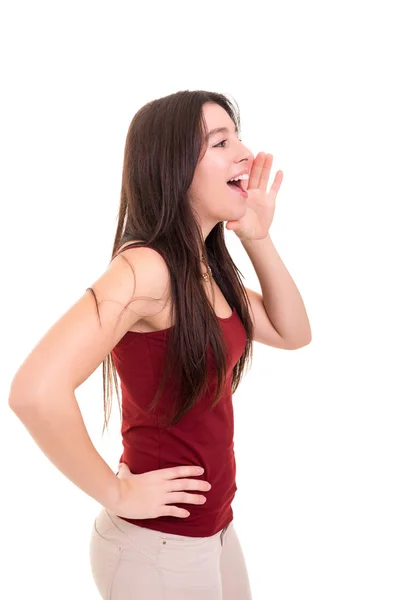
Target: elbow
point(297, 344)
point(20, 398)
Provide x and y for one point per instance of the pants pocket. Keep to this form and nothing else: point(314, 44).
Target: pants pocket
point(130, 537)
point(104, 558)
point(189, 568)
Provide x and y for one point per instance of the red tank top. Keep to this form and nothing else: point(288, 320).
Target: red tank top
point(202, 437)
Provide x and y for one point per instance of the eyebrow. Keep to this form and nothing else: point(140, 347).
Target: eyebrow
point(218, 130)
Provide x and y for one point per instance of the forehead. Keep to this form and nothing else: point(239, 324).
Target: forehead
point(216, 116)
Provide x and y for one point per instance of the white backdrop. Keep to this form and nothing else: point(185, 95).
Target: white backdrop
point(317, 429)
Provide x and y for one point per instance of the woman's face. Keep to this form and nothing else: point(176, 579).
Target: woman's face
point(224, 156)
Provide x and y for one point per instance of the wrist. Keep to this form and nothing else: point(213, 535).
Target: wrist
point(111, 500)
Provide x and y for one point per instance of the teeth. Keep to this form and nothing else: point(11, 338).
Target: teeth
point(240, 178)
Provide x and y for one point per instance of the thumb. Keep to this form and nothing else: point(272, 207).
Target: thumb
point(231, 225)
point(123, 470)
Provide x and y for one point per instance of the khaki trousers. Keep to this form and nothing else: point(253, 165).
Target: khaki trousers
point(135, 563)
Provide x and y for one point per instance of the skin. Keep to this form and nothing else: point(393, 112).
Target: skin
point(209, 193)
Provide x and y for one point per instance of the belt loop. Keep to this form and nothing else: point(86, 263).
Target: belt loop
point(222, 535)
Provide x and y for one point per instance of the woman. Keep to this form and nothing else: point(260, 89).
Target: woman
point(170, 315)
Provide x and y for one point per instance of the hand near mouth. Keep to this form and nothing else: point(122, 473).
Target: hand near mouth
point(255, 224)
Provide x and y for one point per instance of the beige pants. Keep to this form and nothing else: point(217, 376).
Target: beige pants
point(134, 563)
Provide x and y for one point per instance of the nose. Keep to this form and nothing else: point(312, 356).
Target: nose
point(247, 160)
point(246, 154)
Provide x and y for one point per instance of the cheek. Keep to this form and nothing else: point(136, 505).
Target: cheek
point(214, 168)
point(207, 180)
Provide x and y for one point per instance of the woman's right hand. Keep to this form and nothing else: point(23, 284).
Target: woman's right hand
point(149, 495)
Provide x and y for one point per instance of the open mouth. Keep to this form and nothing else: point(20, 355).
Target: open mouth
point(237, 187)
point(236, 184)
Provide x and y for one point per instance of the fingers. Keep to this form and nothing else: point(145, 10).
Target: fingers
point(181, 471)
point(174, 511)
point(185, 498)
point(176, 485)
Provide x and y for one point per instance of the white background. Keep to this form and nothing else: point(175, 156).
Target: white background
point(317, 429)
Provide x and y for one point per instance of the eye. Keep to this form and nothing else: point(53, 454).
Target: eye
point(223, 142)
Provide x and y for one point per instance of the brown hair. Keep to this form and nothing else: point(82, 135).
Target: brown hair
point(164, 143)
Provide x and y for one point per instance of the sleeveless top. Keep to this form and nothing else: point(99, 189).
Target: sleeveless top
point(203, 437)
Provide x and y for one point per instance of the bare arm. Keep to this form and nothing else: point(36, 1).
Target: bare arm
point(58, 429)
point(42, 391)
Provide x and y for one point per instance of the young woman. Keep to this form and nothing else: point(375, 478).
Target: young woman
point(171, 316)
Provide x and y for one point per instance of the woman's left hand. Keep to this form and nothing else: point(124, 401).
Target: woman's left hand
point(255, 224)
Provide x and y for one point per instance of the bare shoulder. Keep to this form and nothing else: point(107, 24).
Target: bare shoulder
point(154, 273)
point(128, 290)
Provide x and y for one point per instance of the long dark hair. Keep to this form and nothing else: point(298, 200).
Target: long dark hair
point(165, 141)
